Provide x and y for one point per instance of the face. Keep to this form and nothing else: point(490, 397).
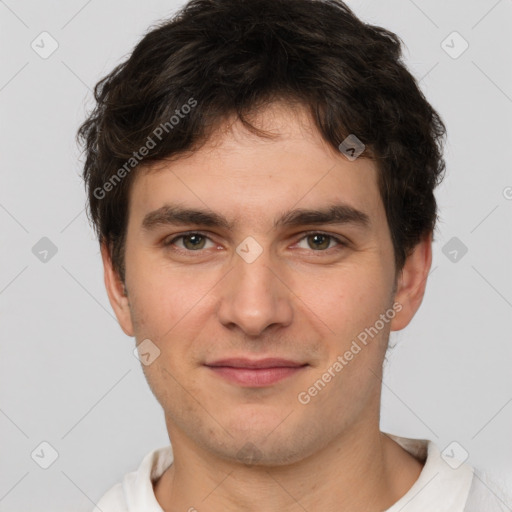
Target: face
point(271, 324)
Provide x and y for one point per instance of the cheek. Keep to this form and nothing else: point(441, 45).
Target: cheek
point(357, 335)
point(173, 309)
point(164, 297)
point(347, 300)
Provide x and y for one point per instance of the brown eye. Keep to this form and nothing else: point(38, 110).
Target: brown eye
point(191, 242)
point(194, 241)
point(321, 241)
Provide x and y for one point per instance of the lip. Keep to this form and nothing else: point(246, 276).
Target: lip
point(268, 362)
point(255, 373)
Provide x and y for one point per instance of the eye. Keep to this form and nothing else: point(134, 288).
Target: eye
point(195, 241)
point(318, 241)
point(191, 242)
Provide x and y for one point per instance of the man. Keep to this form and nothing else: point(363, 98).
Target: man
point(260, 175)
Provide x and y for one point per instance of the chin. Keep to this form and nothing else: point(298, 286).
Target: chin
point(270, 443)
point(264, 454)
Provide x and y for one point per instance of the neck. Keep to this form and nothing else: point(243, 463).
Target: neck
point(361, 471)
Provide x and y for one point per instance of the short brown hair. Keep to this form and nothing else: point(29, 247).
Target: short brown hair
point(232, 57)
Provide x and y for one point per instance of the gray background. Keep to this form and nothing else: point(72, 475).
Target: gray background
point(68, 374)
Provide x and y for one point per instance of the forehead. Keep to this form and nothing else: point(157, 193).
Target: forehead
point(242, 175)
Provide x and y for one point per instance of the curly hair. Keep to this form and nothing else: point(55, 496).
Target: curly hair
point(220, 58)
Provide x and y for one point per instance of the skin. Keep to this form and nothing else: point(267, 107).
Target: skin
point(295, 301)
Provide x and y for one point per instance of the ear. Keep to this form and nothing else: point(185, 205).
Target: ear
point(116, 293)
point(412, 282)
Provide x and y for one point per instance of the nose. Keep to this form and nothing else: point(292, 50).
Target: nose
point(255, 296)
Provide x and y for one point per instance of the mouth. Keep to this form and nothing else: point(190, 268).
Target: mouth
point(255, 373)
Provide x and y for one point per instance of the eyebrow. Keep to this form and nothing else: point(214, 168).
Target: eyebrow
point(335, 214)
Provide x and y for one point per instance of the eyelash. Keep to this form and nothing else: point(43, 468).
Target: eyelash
point(341, 244)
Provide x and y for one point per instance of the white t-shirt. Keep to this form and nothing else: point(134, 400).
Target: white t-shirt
point(441, 486)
